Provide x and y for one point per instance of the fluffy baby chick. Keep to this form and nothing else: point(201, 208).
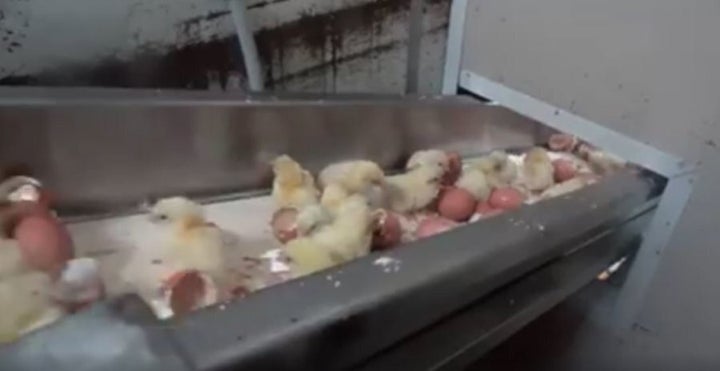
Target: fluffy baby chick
point(415, 189)
point(474, 181)
point(293, 186)
point(312, 217)
point(537, 170)
point(450, 162)
point(191, 242)
point(605, 163)
point(11, 260)
point(26, 304)
point(355, 176)
point(499, 169)
point(347, 237)
point(426, 157)
point(333, 195)
point(343, 179)
point(565, 187)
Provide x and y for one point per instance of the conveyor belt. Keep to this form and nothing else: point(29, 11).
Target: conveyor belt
point(342, 318)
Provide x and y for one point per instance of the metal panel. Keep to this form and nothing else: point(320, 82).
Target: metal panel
point(457, 341)
point(608, 73)
point(118, 148)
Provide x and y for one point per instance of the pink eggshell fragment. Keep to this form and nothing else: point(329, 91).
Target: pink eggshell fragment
point(563, 170)
point(434, 225)
point(284, 224)
point(45, 243)
point(456, 204)
point(388, 232)
point(506, 198)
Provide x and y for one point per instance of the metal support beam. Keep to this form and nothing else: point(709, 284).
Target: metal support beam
point(248, 48)
point(679, 172)
point(655, 239)
point(453, 48)
point(415, 32)
point(627, 148)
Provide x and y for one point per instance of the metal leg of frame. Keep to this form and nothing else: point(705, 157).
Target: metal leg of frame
point(655, 239)
point(247, 45)
point(415, 33)
point(680, 174)
point(453, 48)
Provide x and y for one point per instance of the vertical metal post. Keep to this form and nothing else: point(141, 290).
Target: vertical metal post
point(680, 174)
point(634, 290)
point(248, 48)
point(415, 31)
point(453, 48)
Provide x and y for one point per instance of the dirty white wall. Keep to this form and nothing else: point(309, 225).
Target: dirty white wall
point(306, 45)
point(647, 68)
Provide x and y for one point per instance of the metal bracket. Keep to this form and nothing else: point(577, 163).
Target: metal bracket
point(680, 174)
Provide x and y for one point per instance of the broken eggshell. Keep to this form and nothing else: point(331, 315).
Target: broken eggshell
point(79, 284)
point(506, 198)
point(454, 169)
point(563, 169)
point(45, 243)
point(388, 231)
point(456, 204)
point(562, 142)
point(284, 224)
point(433, 225)
point(188, 290)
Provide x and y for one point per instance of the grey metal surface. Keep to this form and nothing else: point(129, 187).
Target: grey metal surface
point(118, 334)
point(635, 289)
point(454, 343)
point(116, 149)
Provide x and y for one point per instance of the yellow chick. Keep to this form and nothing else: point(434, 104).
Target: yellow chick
point(428, 157)
point(332, 196)
point(191, 242)
point(415, 189)
point(499, 170)
point(355, 176)
point(347, 237)
point(11, 259)
point(474, 181)
point(26, 305)
point(293, 186)
point(537, 170)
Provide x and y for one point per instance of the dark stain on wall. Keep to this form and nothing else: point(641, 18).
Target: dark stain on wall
point(192, 65)
point(262, 4)
point(323, 35)
point(187, 67)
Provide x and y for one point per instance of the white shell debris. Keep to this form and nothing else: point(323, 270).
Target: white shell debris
point(80, 281)
point(161, 308)
point(385, 261)
point(277, 263)
point(27, 192)
point(388, 264)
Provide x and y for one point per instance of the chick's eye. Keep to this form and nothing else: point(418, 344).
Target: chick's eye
point(162, 217)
